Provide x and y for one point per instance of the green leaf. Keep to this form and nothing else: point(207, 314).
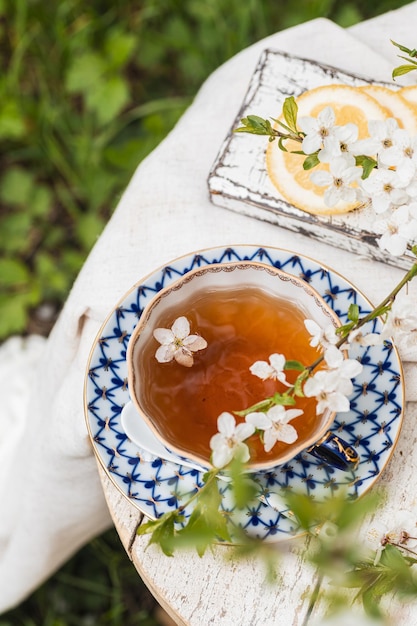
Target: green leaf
point(255, 125)
point(298, 385)
point(54, 281)
point(280, 143)
point(199, 533)
point(348, 514)
point(371, 601)
point(411, 53)
point(13, 314)
point(353, 313)
point(84, 73)
point(12, 123)
point(16, 186)
point(311, 161)
point(303, 507)
point(108, 98)
point(13, 273)
point(290, 112)
point(119, 47)
point(283, 399)
point(41, 201)
point(393, 558)
point(344, 330)
point(294, 365)
point(284, 126)
point(126, 155)
point(403, 69)
point(340, 510)
point(15, 229)
point(243, 487)
point(408, 60)
point(367, 163)
point(207, 524)
point(162, 532)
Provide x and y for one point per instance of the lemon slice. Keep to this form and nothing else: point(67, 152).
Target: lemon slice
point(286, 169)
point(397, 106)
point(410, 95)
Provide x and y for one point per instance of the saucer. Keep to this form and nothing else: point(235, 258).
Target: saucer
point(156, 485)
point(140, 434)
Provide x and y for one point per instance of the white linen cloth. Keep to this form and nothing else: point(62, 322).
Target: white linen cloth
point(50, 493)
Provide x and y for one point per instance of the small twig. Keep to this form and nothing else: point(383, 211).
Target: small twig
point(313, 599)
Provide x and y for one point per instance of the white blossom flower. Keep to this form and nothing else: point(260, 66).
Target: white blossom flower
point(411, 188)
point(380, 138)
point(358, 338)
point(398, 229)
point(346, 368)
point(330, 391)
point(177, 343)
point(273, 370)
point(385, 189)
point(319, 336)
point(402, 154)
point(401, 530)
point(316, 129)
point(228, 442)
point(401, 320)
point(343, 172)
point(274, 423)
point(338, 143)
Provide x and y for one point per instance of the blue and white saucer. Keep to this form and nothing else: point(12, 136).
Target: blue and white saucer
point(155, 485)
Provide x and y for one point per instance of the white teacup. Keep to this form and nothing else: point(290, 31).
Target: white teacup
point(237, 313)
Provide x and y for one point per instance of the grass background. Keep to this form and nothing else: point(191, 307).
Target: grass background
point(87, 90)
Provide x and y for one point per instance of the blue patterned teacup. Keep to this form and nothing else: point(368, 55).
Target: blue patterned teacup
point(189, 361)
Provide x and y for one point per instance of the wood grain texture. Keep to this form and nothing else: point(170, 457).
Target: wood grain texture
point(221, 589)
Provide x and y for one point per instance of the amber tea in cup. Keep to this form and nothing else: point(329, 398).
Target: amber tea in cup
point(245, 312)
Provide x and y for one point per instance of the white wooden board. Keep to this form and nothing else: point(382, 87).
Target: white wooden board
point(239, 181)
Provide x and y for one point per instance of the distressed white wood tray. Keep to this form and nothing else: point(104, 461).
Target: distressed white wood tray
point(239, 181)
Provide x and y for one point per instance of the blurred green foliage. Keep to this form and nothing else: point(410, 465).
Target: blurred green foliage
point(87, 90)
point(99, 586)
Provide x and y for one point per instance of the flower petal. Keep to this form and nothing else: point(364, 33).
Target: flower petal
point(277, 361)
point(181, 327)
point(351, 368)
point(338, 402)
point(291, 414)
point(222, 455)
point(270, 439)
point(259, 420)
point(322, 179)
point(242, 452)
point(165, 354)
point(276, 414)
point(315, 331)
point(261, 369)
point(326, 117)
point(226, 424)
point(164, 336)
point(311, 143)
point(287, 433)
point(333, 357)
point(244, 430)
point(183, 357)
point(307, 124)
point(195, 343)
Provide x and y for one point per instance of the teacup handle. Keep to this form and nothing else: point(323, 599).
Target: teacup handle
point(335, 451)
